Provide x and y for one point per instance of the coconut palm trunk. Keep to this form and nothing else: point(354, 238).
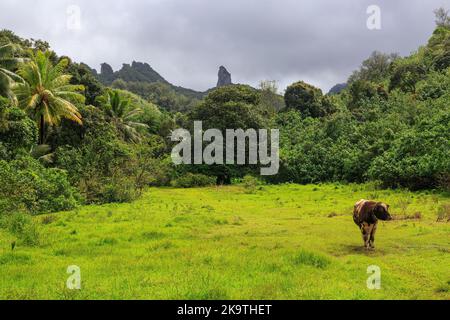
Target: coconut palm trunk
point(42, 130)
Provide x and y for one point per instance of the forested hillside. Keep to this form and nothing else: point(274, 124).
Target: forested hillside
point(391, 123)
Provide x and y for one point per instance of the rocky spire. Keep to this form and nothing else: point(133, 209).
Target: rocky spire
point(106, 73)
point(224, 77)
point(106, 70)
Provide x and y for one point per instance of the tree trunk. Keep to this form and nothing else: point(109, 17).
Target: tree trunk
point(42, 130)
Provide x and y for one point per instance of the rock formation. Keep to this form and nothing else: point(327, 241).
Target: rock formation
point(224, 77)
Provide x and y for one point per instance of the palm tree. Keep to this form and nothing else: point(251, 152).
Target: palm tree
point(123, 114)
point(46, 93)
point(8, 62)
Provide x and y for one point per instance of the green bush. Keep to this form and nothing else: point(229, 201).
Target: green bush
point(149, 164)
point(17, 131)
point(250, 183)
point(443, 213)
point(94, 159)
point(406, 73)
point(190, 180)
point(119, 188)
point(22, 226)
point(362, 91)
point(102, 164)
point(435, 86)
point(28, 185)
point(419, 157)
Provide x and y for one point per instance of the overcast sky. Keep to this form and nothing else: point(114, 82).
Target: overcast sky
point(318, 41)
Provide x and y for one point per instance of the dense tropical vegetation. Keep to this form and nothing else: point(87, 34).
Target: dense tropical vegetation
point(69, 135)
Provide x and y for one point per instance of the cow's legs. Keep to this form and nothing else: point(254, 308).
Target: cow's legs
point(372, 236)
point(366, 230)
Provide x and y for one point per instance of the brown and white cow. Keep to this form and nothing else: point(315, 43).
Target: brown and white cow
point(366, 214)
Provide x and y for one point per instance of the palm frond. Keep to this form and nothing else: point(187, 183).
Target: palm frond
point(40, 150)
point(133, 113)
point(56, 71)
point(43, 153)
point(74, 97)
point(11, 75)
point(137, 125)
point(60, 81)
point(46, 92)
point(67, 110)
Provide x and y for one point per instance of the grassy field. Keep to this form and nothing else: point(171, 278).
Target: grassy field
point(280, 242)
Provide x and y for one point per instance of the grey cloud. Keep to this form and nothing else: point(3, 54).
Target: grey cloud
point(319, 41)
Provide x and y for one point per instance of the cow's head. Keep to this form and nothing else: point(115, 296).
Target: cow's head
point(381, 211)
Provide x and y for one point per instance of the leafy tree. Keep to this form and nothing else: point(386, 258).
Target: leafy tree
point(375, 68)
point(406, 73)
point(92, 153)
point(434, 86)
point(230, 107)
point(46, 93)
point(17, 130)
point(307, 99)
point(150, 164)
point(442, 18)
point(82, 75)
point(361, 91)
point(7, 36)
point(123, 114)
point(418, 156)
point(4, 106)
point(437, 52)
point(271, 101)
point(41, 45)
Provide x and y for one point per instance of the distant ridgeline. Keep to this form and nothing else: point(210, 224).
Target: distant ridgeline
point(139, 72)
point(140, 78)
point(337, 88)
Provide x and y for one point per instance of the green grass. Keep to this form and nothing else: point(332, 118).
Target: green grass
point(281, 242)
